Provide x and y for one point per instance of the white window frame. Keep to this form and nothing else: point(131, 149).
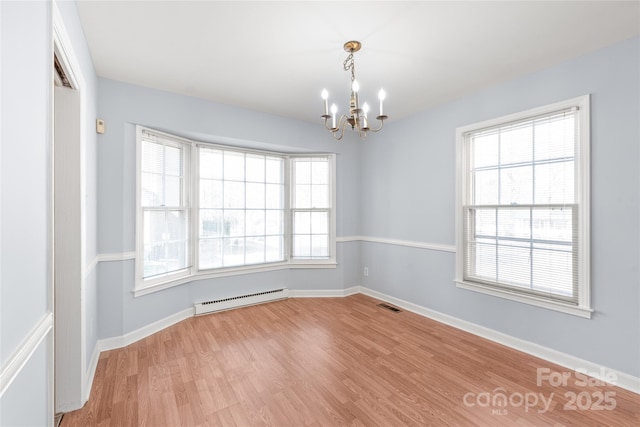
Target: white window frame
point(143, 287)
point(582, 180)
point(305, 262)
point(184, 145)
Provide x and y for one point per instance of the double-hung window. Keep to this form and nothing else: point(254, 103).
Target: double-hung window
point(311, 207)
point(523, 207)
point(206, 210)
point(163, 213)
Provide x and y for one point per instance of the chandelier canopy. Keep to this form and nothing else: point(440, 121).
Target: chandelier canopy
point(358, 116)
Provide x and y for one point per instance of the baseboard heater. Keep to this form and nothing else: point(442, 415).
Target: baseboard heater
point(240, 301)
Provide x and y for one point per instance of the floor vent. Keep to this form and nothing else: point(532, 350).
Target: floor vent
point(240, 301)
point(389, 307)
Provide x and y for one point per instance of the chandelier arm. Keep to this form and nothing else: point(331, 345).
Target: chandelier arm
point(381, 119)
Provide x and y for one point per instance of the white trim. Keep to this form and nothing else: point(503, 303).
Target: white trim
point(399, 242)
point(90, 373)
point(526, 299)
point(116, 256)
point(625, 381)
point(72, 318)
point(323, 293)
point(232, 271)
point(143, 332)
point(12, 368)
point(582, 180)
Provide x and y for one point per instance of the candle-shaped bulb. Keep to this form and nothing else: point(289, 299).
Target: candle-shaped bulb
point(365, 109)
point(381, 96)
point(325, 96)
point(334, 110)
point(355, 86)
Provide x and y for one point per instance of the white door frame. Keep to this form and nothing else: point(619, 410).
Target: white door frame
point(69, 226)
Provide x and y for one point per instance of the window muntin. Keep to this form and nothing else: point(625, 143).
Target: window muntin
point(524, 204)
point(205, 210)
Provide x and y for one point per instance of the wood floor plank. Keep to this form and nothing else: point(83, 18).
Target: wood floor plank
point(336, 362)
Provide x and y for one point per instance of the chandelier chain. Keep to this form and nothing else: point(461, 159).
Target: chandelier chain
point(349, 64)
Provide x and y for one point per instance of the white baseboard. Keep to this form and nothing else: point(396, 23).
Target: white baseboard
point(323, 293)
point(133, 336)
point(90, 374)
point(623, 380)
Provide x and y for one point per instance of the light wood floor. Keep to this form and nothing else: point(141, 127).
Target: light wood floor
point(335, 362)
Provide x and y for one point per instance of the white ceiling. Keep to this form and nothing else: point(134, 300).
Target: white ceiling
point(278, 56)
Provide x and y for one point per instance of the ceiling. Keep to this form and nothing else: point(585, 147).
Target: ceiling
point(277, 57)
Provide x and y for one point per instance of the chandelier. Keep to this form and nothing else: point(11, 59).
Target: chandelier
point(358, 116)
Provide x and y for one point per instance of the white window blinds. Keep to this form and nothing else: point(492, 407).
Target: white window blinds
point(520, 218)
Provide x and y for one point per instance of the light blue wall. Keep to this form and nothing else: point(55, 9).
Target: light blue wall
point(25, 112)
point(408, 192)
point(123, 106)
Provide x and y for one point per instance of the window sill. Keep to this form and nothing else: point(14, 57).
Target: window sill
point(526, 299)
point(231, 271)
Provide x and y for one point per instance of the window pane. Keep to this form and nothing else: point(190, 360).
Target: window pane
point(485, 150)
point(485, 188)
point(320, 172)
point(319, 222)
point(485, 222)
point(255, 250)
point(516, 144)
point(303, 196)
point(320, 196)
point(274, 222)
point(553, 224)
point(514, 223)
point(516, 185)
point(274, 196)
point(152, 157)
point(173, 191)
point(211, 193)
point(210, 253)
point(255, 196)
point(211, 223)
point(319, 246)
point(274, 250)
point(233, 166)
point(173, 161)
point(303, 172)
point(255, 223)
point(555, 138)
point(554, 183)
point(514, 264)
point(234, 223)
point(255, 168)
point(553, 269)
point(152, 190)
point(275, 170)
point(210, 163)
point(233, 251)
point(302, 246)
point(233, 194)
point(485, 252)
point(302, 223)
